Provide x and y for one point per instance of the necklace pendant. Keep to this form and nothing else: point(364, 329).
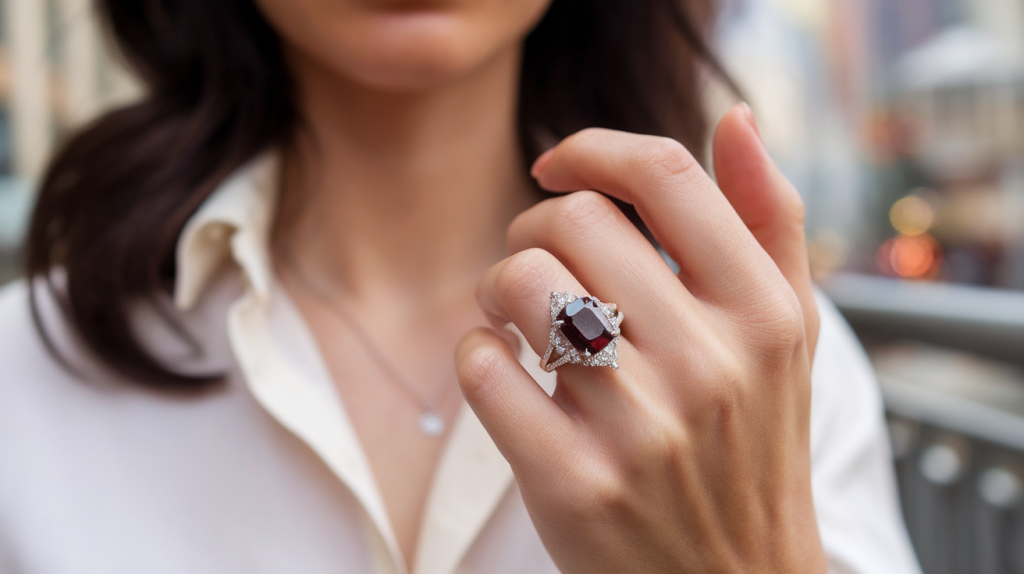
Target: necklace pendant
point(431, 424)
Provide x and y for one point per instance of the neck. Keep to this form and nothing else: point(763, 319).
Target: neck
point(385, 191)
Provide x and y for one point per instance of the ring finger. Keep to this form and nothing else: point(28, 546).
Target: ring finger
point(518, 290)
point(587, 233)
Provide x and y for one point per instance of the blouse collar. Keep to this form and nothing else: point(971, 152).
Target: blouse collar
point(294, 386)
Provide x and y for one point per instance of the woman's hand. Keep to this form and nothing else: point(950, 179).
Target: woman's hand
point(694, 455)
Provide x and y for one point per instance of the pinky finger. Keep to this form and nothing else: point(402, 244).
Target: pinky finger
point(767, 203)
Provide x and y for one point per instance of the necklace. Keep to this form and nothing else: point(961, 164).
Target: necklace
point(431, 423)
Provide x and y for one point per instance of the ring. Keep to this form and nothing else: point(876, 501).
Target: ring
point(584, 331)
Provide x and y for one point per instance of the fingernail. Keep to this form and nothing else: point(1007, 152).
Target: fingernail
point(541, 163)
point(751, 119)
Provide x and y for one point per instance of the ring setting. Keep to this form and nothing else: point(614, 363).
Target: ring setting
point(584, 331)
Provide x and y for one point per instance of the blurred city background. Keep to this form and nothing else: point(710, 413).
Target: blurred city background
point(901, 122)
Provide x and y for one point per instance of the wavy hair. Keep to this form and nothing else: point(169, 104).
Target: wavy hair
point(117, 194)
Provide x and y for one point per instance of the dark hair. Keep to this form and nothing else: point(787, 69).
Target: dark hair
point(117, 193)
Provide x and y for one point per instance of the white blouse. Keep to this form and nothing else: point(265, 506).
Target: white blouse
point(267, 475)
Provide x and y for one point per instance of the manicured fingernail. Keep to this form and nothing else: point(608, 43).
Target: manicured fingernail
point(751, 119)
point(541, 163)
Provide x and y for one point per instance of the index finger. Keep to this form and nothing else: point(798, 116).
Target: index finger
point(681, 205)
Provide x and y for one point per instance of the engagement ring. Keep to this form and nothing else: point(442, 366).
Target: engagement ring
point(584, 331)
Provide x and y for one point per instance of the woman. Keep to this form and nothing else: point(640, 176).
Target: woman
point(334, 194)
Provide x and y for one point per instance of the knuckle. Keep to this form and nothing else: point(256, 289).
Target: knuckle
point(477, 366)
point(789, 211)
point(524, 273)
point(794, 209)
point(598, 492)
point(790, 317)
point(791, 337)
point(785, 332)
point(659, 443)
point(663, 157)
point(812, 320)
point(583, 210)
point(583, 136)
point(727, 395)
point(526, 229)
point(774, 326)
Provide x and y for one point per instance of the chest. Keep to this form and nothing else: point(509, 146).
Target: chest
point(117, 487)
point(403, 422)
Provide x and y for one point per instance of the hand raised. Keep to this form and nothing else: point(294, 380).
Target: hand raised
point(694, 455)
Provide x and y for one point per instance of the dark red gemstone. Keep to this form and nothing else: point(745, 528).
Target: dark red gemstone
point(585, 325)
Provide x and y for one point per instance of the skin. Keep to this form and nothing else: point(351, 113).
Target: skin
point(403, 187)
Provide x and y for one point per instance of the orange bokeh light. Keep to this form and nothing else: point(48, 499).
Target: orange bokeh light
point(911, 257)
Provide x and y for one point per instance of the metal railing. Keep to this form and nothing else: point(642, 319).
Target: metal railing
point(950, 361)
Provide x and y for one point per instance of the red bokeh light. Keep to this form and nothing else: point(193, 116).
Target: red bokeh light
point(910, 257)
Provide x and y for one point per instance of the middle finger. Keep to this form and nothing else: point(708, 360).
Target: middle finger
point(677, 200)
point(608, 254)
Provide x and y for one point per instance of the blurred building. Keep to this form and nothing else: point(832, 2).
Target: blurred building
point(866, 102)
point(947, 132)
point(901, 122)
point(55, 73)
point(961, 97)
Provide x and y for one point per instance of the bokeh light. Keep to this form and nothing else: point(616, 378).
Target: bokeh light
point(910, 257)
point(912, 215)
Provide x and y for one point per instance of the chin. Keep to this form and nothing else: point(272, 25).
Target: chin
point(411, 51)
point(414, 46)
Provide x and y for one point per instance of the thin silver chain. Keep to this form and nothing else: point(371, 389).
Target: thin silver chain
point(427, 403)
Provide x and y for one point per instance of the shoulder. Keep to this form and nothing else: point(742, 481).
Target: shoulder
point(842, 376)
point(14, 310)
point(847, 413)
point(38, 392)
point(23, 353)
point(38, 342)
point(60, 407)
